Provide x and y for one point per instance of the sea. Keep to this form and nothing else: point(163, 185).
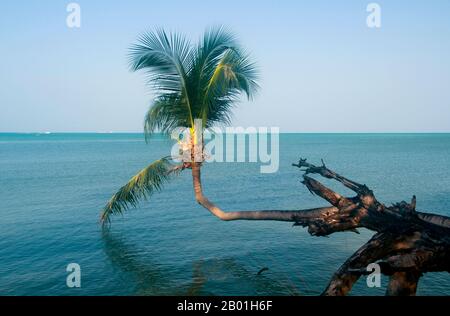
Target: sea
point(53, 187)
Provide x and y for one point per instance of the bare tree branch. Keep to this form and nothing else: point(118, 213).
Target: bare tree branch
point(407, 243)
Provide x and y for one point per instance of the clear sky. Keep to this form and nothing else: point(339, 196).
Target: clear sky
point(323, 69)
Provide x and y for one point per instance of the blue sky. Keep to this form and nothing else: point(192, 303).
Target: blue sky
point(322, 68)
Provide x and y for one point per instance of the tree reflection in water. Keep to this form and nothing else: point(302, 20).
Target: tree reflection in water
point(221, 276)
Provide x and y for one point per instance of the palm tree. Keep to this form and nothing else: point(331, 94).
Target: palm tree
point(193, 82)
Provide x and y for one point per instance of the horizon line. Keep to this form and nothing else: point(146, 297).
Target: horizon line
point(286, 132)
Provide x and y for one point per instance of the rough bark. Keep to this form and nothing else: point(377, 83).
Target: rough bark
point(403, 284)
point(407, 243)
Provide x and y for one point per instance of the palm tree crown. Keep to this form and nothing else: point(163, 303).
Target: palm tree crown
point(200, 81)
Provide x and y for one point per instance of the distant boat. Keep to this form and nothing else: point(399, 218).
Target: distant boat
point(42, 133)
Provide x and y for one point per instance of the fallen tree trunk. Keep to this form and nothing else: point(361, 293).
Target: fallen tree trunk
point(406, 245)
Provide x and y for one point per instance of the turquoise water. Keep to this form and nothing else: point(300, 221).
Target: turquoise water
point(52, 188)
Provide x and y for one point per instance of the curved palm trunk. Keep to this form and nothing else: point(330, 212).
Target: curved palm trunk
point(274, 215)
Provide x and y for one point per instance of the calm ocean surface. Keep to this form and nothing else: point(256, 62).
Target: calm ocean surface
point(52, 188)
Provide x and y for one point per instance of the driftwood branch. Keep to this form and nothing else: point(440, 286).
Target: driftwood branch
point(407, 244)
